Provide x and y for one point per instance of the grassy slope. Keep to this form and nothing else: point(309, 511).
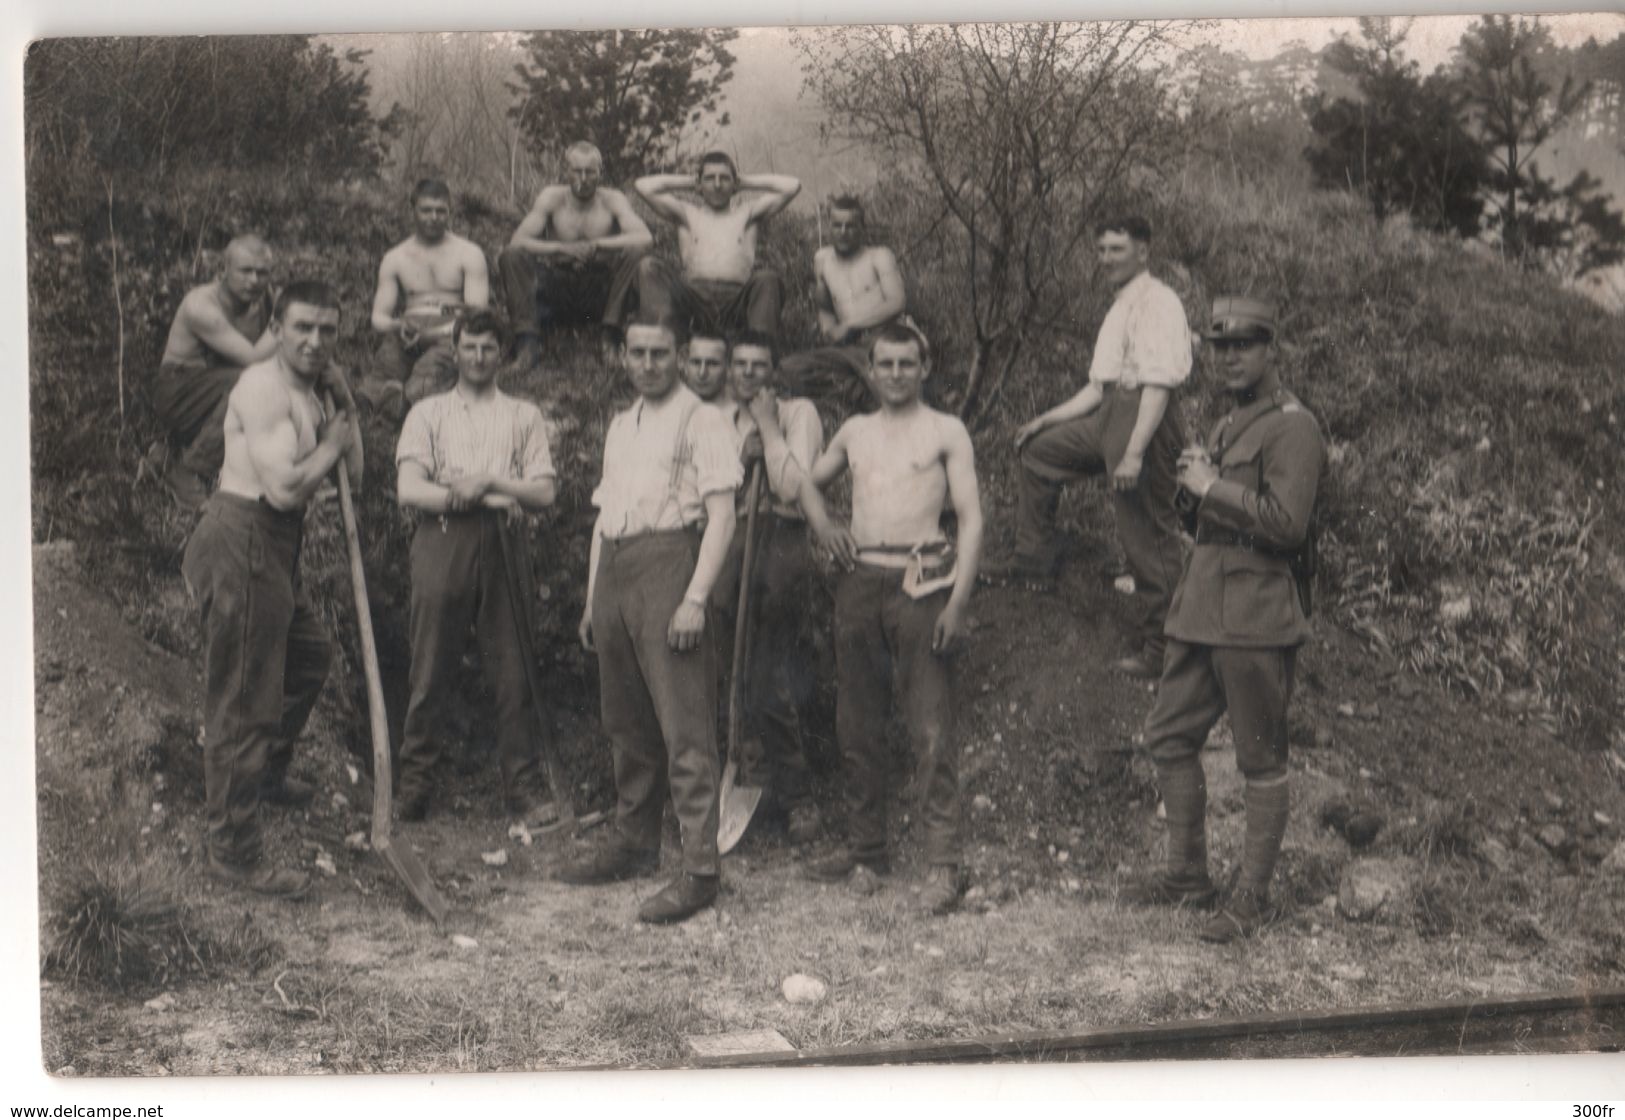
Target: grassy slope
point(1413, 353)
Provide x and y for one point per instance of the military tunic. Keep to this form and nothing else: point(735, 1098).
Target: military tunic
point(1236, 618)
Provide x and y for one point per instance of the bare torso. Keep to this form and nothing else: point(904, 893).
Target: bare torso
point(899, 477)
point(266, 385)
point(853, 282)
point(184, 345)
point(570, 220)
point(432, 277)
point(718, 245)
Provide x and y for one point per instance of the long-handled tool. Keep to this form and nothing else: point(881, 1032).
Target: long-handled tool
point(557, 776)
point(401, 858)
point(737, 803)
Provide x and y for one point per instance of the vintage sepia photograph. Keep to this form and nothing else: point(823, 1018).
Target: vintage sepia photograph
point(839, 546)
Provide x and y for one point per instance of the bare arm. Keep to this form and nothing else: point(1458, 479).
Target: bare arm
point(531, 236)
point(476, 278)
point(210, 326)
point(388, 297)
point(533, 495)
point(632, 233)
point(832, 534)
point(273, 444)
point(959, 460)
point(584, 631)
point(776, 191)
point(1153, 403)
point(414, 490)
point(657, 190)
point(1082, 403)
point(688, 621)
point(829, 325)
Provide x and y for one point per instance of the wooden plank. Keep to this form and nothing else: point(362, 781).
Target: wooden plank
point(763, 1041)
point(1038, 1044)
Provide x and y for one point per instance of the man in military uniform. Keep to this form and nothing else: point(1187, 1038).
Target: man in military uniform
point(1237, 618)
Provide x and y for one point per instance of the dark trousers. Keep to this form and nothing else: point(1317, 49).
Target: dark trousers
point(1200, 683)
point(190, 399)
point(882, 644)
point(659, 707)
point(426, 367)
point(265, 658)
point(1146, 522)
point(711, 306)
point(542, 294)
point(779, 678)
point(458, 581)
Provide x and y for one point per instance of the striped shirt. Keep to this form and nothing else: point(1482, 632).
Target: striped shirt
point(649, 445)
point(803, 440)
point(1144, 339)
point(454, 437)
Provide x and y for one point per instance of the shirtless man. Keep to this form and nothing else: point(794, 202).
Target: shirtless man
point(265, 654)
point(574, 257)
point(719, 289)
point(221, 327)
point(424, 283)
point(896, 618)
point(860, 289)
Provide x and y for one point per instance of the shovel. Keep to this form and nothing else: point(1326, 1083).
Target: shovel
point(557, 776)
point(402, 860)
point(737, 803)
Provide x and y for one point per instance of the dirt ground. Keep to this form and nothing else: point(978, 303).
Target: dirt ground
point(1499, 838)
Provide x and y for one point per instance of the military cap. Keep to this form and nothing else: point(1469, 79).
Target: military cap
point(1241, 317)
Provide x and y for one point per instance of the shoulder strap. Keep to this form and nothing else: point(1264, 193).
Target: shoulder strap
point(679, 452)
point(1235, 436)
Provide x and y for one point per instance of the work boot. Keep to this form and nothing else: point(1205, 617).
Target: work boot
point(838, 866)
point(272, 881)
point(1144, 666)
point(184, 485)
point(291, 792)
point(806, 824)
point(527, 353)
point(943, 886)
point(1018, 571)
point(681, 899)
point(1162, 889)
point(1242, 916)
point(611, 864)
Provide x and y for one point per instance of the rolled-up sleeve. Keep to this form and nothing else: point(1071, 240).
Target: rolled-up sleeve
point(534, 453)
point(416, 444)
point(713, 452)
point(1162, 340)
point(803, 440)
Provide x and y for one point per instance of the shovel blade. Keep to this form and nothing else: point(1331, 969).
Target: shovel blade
point(737, 805)
point(409, 869)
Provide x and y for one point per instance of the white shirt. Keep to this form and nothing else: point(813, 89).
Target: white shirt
point(803, 440)
point(454, 437)
point(643, 455)
point(1144, 339)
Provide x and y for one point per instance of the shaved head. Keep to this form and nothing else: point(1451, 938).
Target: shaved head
point(246, 245)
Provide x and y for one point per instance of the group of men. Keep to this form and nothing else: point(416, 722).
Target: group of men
point(699, 346)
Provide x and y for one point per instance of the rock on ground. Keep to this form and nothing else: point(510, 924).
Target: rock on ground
point(803, 989)
point(1371, 886)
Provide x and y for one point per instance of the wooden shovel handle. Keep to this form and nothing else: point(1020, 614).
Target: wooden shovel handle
point(742, 617)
